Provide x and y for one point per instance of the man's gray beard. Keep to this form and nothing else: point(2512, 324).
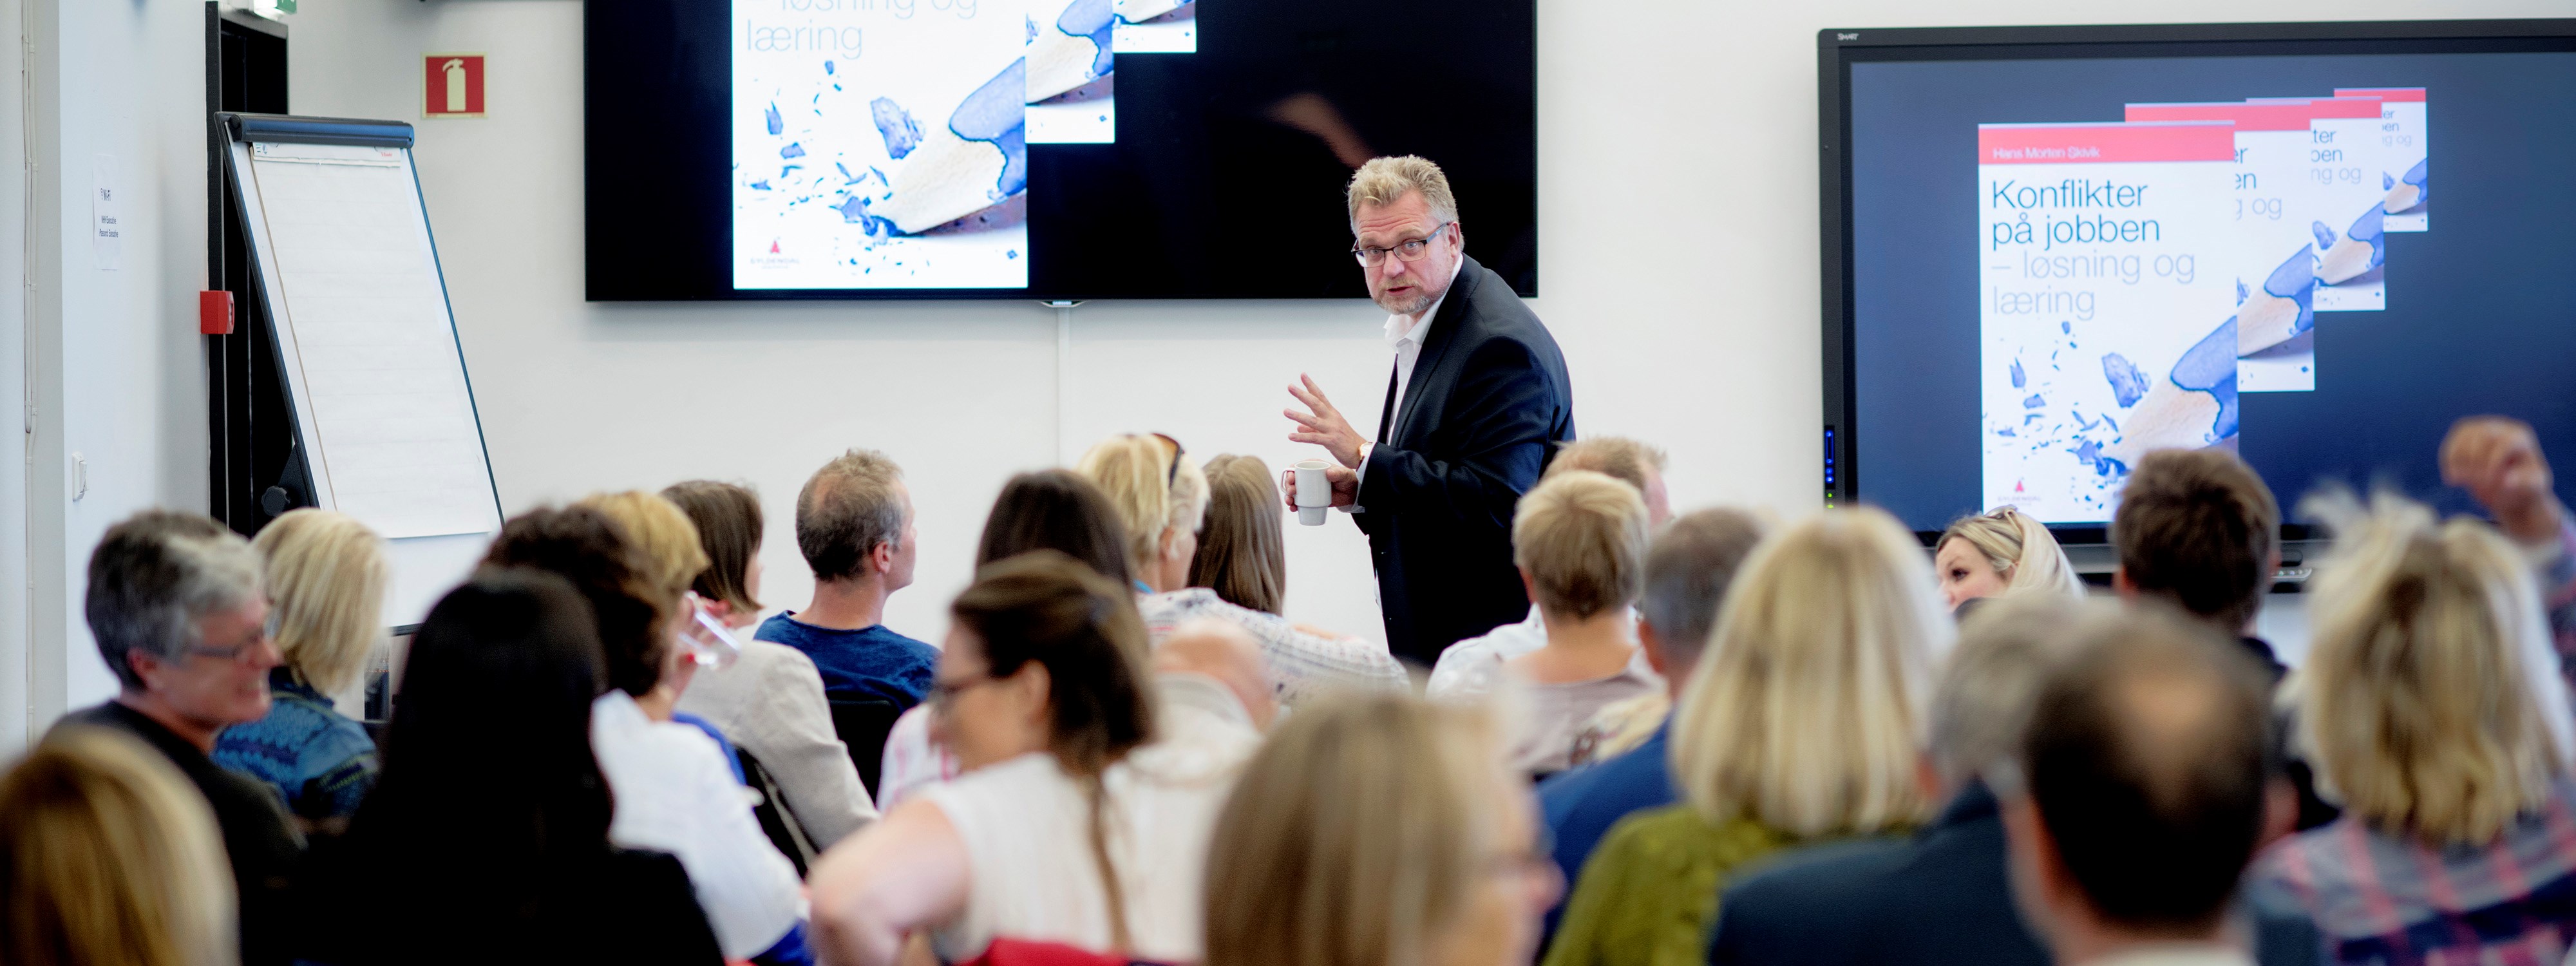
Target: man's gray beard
point(1415, 305)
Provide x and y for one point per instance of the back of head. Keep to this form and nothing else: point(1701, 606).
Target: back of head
point(326, 574)
point(1689, 567)
point(1153, 486)
point(108, 857)
point(2200, 528)
point(1618, 457)
point(848, 508)
point(1046, 608)
point(1355, 835)
point(662, 533)
point(1060, 511)
point(2430, 699)
point(728, 521)
point(488, 755)
point(1806, 711)
point(591, 552)
point(1981, 704)
point(1243, 555)
point(153, 575)
point(1582, 538)
point(2020, 548)
point(2146, 755)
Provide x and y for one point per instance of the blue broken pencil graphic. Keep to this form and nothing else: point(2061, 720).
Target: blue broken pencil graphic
point(978, 160)
point(1071, 49)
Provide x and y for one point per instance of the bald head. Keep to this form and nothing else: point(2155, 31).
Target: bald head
point(2146, 757)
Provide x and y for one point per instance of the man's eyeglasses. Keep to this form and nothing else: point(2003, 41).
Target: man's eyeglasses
point(235, 652)
point(1406, 251)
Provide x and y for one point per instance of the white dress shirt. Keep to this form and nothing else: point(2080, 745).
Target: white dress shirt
point(675, 794)
point(1405, 334)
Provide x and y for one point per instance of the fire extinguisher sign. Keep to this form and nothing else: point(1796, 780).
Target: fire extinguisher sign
point(451, 85)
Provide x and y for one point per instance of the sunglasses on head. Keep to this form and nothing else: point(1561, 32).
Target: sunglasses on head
point(1171, 475)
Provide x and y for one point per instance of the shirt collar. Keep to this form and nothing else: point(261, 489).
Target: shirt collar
point(1401, 329)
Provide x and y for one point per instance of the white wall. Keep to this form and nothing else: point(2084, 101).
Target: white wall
point(112, 357)
point(1677, 211)
point(14, 707)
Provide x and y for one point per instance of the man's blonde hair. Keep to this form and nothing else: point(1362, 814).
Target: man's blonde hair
point(1582, 537)
point(658, 527)
point(1806, 713)
point(2020, 549)
point(108, 855)
point(2429, 699)
point(1356, 835)
point(326, 575)
point(1626, 460)
point(1152, 486)
point(1384, 181)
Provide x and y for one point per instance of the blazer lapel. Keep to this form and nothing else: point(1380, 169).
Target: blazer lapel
point(1444, 332)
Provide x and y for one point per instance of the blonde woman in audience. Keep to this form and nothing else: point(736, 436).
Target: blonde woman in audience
point(770, 700)
point(108, 857)
point(1243, 553)
point(326, 575)
point(1802, 723)
point(2000, 552)
point(1161, 497)
point(1579, 540)
point(1378, 830)
point(1469, 663)
point(1065, 826)
point(2430, 706)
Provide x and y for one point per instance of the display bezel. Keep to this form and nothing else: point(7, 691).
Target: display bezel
point(1838, 49)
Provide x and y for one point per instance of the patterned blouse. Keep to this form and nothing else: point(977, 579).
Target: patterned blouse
point(321, 763)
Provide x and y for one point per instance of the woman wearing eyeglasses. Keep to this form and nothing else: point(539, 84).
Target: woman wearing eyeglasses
point(1067, 824)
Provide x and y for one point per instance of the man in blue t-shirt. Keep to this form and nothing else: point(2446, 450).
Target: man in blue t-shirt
point(854, 525)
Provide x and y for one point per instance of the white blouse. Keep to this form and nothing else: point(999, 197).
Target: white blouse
point(1025, 824)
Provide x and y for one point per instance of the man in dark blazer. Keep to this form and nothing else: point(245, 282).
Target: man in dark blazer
point(1477, 404)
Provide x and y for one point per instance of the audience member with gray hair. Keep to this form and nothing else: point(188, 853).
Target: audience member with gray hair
point(175, 604)
point(854, 523)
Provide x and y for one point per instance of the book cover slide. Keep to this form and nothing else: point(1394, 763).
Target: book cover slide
point(879, 144)
point(2270, 258)
point(2103, 330)
point(1072, 84)
point(2405, 138)
point(2344, 169)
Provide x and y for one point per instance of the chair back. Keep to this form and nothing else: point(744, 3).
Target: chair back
point(776, 821)
point(862, 724)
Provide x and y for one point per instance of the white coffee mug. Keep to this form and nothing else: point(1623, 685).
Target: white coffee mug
point(1314, 492)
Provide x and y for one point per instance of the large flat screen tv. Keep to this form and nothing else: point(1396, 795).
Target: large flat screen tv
point(2049, 250)
point(1050, 149)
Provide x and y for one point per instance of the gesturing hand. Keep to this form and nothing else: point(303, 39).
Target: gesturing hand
point(1324, 426)
point(2498, 461)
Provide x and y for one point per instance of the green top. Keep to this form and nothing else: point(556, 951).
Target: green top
point(1649, 892)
